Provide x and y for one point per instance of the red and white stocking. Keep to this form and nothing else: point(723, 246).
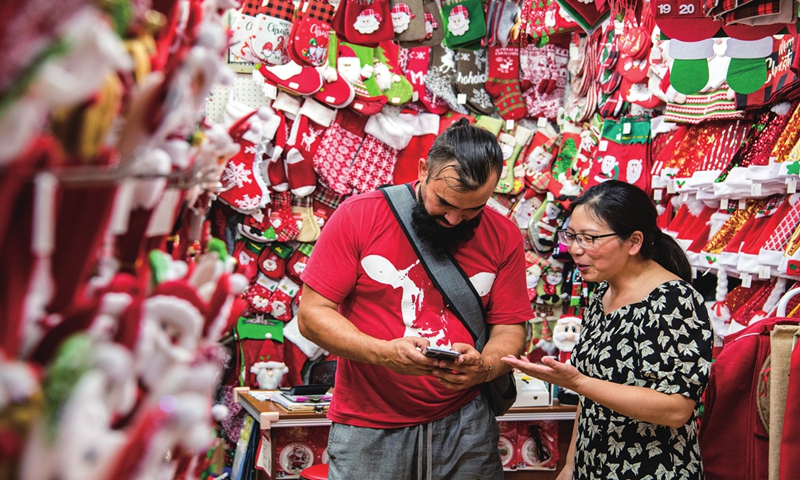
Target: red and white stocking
point(304, 140)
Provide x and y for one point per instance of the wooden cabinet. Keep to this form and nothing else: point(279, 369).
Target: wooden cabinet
point(270, 416)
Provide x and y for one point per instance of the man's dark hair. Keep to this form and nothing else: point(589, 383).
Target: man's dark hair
point(476, 152)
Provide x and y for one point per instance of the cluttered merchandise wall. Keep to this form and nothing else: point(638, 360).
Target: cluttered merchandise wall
point(166, 167)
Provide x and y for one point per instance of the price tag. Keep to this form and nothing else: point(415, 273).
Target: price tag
point(671, 186)
point(462, 98)
point(603, 145)
point(626, 128)
point(657, 194)
point(791, 185)
point(747, 280)
point(755, 189)
point(541, 122)
point(509, 124)
point(764, 272)
point(742, 203)
point(655, 182)
point(723, 204)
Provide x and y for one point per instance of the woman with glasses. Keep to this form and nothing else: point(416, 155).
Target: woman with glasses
point(645, 353)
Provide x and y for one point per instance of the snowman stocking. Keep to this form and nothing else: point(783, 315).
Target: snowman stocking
point(304, 140)
point(464, 22)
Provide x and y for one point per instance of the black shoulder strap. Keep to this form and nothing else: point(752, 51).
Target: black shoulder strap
point(444, 272)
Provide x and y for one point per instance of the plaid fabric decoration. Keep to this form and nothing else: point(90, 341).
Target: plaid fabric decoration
point(753, 9)
point(280, 9)
point(320, 10)
point(304, 202)
point(328, 196)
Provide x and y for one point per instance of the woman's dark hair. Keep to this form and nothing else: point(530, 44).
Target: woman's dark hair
point(625, 209)
point(475, 151)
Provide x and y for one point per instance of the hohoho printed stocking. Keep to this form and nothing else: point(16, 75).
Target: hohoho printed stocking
point(338, 148)
point(503, 84)
point(441, 73)
point(307, 129)
point(470, 81)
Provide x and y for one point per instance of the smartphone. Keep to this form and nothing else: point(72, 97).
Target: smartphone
point(440, 353)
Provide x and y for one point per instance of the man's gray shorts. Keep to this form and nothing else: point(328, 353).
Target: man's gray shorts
point(461, 446)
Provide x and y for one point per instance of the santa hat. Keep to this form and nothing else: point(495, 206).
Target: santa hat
point(402, 8)
point(459, 10)
point(564, 319)
point(368, 12)
point(177, 303)
point(345, 51)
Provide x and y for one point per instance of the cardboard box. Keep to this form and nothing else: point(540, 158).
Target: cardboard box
point(532, 392)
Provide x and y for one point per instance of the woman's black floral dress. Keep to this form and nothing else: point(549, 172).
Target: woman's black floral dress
point(663, 343)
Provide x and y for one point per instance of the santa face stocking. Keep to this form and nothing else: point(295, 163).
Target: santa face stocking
point(311, 33)
point(337, 149)
point(272, 261)
point(625, 161)
point(280, 305)
point(441, 73)
point(305, 138)
point(464, 22)
point(470, 80)
point(408, 20)
point(364, 22)
point(325, 202)
point(503, 84)
point(297, 263)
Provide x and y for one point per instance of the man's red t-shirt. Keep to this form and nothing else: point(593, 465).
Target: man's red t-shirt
point(363, 262)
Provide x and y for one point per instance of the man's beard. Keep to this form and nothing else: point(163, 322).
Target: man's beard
point(439, 239)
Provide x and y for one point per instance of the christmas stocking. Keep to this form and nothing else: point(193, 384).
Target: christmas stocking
point(312, 120)
point(272, 261)
point(311, 33)
point(503, 84)
point(245, 190)
point(242, 32)
point(508, 145)
point(246, 254)
point(387, 133)
point(408, 20)
point(394, 86)
point(425, 127)
point(623, 154)
point(464, 22)
point(550, 286)
point(689, 72)
point(416, 71)
point(337, 149)
point(364, 22)
point(355, 64)
point(272, 29)
point(280, 305)
point(282, 219)
point(470, 80)
point(302, 208)
point(325, 202)
point(298, 261)
point(441, 73)
point(747, 71)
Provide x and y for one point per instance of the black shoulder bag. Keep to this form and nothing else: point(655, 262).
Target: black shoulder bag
point(459, 293)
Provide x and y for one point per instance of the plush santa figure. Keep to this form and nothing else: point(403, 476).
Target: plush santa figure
point(566, 335)
point(269, 374)
point(349, 67)
point(401, 17)
point(368, 21)
point(458, 22)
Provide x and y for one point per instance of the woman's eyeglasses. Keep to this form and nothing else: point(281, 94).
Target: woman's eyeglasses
point(584, 239)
